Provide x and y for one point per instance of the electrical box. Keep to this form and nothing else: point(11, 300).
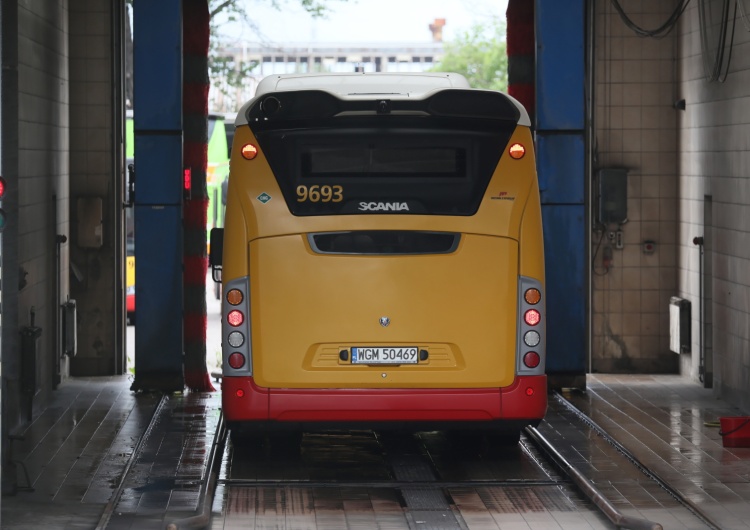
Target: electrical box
point(613, 195)
point(90, 227)
point(69, 328)
point(679, 325)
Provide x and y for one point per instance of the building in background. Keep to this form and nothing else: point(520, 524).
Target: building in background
point(252, 62)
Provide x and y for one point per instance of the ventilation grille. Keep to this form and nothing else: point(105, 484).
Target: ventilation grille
point(384, 242)
point(679, 325)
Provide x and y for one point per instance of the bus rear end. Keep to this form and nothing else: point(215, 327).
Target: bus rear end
point(382, 257)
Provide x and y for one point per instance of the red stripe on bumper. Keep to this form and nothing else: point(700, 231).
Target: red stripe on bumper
point(243, 400)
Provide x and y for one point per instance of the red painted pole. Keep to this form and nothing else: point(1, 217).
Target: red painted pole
point(520, 48)
point(195, 28)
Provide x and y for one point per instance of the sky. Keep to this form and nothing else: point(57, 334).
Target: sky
point(363, 21)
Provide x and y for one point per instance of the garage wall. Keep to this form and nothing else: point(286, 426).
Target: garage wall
point(635, 128)
point(95, 201)
point(43, 171)
point(714, 201)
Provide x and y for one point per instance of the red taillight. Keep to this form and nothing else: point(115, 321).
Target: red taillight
point(249, 151)
point(2, 212)
point(517, 151)
point(236, 360)
point(187, 179)
point(532, 317)
point(235, 318)
point(531, 359)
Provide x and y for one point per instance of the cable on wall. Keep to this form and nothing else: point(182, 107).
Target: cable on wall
point(716, 62)
point(743, 14)
point(661, 31)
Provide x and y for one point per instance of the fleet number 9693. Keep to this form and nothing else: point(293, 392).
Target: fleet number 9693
point(320, 193)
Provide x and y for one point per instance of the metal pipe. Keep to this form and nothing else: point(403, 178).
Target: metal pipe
point(57, 295)
point(117, 22)
point(208, 485)
point(701, 352)
point(589, 139)
point(613, 514)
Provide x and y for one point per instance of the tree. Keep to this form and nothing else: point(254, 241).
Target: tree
point(479, 55)
point(223, 68)
point(225, 72)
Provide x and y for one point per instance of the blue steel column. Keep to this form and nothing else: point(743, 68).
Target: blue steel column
point(157, 118)
point(560, 119)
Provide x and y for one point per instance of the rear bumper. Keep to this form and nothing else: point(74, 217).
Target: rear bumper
point(525, 401)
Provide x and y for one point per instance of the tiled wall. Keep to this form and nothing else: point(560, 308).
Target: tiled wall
point(689, 176)
point(94, 177)
point(714, 202)
point(43, 171)
point(636, 128)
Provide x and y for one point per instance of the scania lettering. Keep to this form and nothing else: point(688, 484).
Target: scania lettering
point(384, 206)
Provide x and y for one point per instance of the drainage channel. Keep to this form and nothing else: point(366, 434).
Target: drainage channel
point(427, 506)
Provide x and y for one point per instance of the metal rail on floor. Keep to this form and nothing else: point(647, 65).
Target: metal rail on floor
point(588, 489)
point(391, 484)
point(208, 484)
point(679, 497)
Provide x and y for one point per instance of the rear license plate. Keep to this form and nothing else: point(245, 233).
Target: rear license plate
point(386, 355)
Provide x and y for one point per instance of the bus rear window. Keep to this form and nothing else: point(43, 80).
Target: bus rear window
point(359, 161)
point(415, 165)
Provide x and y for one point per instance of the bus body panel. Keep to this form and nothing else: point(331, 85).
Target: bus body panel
point(458, 307)
point(531, 244)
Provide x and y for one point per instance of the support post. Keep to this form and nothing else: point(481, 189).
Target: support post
point(157, 118)
point(560, 136)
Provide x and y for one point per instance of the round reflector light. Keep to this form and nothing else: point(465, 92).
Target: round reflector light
point(532, 338)
point(529, 391)
point(249, 151)
point(235, 318)
point(517, 151)
point(532, 317)
point(234, 296)
point(531, 359)
point(236, 339)
point(236, 360)
point(239, 393)
point(532, 296)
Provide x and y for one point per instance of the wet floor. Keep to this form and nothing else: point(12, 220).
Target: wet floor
point(77, 454)
point(397, 480)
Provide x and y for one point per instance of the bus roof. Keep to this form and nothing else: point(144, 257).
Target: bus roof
point(363, 85)
point(346, 84)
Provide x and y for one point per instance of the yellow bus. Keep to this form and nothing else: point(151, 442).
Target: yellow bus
point(382, 259)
